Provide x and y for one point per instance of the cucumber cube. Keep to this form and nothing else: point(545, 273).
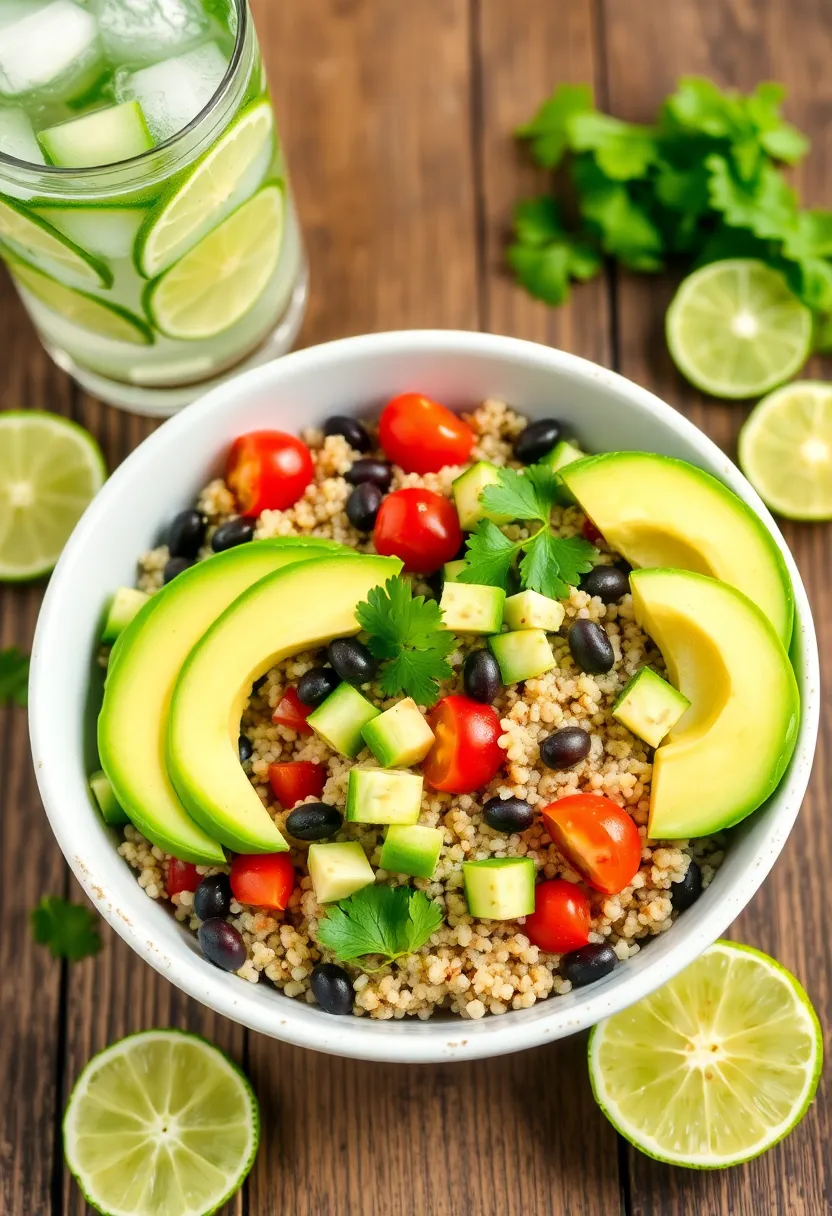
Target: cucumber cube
point(561, 455)
point(378, 795)
point(112, 812)
point(467, 489)
point(103, 137)
point(452, 570)
point(338, 870)
point(340, 719)
point(500, 888)
point(124, 605)
point(522, 654)
point(411, 850)
point(649, 706)
point(472, 608)
point(531, 610)
point(400, 736)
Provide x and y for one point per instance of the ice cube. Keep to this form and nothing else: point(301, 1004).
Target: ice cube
point(48, 48)
point(174, 91)
point(17, 136)
point(136, 32)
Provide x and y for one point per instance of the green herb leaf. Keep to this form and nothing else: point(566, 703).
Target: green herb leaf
point(551, 564)
point(622, 150)
point(515, 495)
point(548, 132)
point(490, 555)
point(767, 208)
point(407, 631)
point(69, 930)
point(381, 920)
point(622, 224)
point(14, 677)
point(545, 257)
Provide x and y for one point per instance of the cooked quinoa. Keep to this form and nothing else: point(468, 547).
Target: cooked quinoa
point(469, 967)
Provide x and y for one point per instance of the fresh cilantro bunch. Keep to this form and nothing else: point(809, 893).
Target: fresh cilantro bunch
point(69, 930)
point(382, 920)
point(14, 677)
point(550, 564)
point(406, 632)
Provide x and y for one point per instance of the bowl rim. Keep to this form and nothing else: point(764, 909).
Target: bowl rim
point(436, 1039)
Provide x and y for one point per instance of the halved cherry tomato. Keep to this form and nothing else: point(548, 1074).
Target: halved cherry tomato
point(266, 879)
point(268, 471)
point(182, 876)
point(295, 780)
point(466, 754)
point(561, 918)
point(292, 712)
point(597, 837)
point(422, 436)
point(420, 527)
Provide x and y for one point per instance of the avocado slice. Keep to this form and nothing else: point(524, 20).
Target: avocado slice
point(150, 654)
point(294, 609)
point(727, 753)
point(657, 511)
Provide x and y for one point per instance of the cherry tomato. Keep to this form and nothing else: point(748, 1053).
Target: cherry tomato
point(422, 436)
point(420, 527)
point(597, 837)
point(466, 754)
point(265, 879)
point(295, 780)
point(268, 471)
point(292, 712)
point(182, 876)
point(561, 917)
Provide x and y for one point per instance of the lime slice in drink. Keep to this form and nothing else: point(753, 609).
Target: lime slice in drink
point(160, 1124)
point(786, 450)
point(81, 308)
point(50, 470)
point(208, 193)
point(715, 1067)
point(34, 238)
point(735, 330)
point(224, 275)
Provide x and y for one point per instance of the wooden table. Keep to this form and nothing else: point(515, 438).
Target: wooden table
point(397, 117)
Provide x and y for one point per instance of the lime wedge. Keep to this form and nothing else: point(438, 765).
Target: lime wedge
point(715, 1067)
point(208, 194)
point(224, 275)
point(786, 450)
point(30, 236)
point(161, 1123)
point(81, 308)
point(50, 470)
point(734, 329)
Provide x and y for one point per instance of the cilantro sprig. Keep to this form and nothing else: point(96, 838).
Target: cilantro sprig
point(386, 921)
point(69, 930)
point(406, 632)
point(14, 677)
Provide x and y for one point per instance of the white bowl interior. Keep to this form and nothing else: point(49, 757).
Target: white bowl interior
point(357, 375)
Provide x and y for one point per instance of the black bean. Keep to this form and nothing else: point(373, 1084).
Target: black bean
point(174, 566)
point(332, 988)
point(232, 533)
point(351, 660)
point(379, 472)
point(481, 676)
point(213, 897)
point(245, 748)
point(314, 821)
point(221, 944)
point(538, 438)
point(316, 685)
point(591, 647)
point(353, 431)
point(565, 747)
point(685, 893)
point(587, 964)
point(186, 533)
point(508, 814)
point(609, 583)
point(362, 506)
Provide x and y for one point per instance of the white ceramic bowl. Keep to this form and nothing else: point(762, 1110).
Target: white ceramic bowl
point(358, 375)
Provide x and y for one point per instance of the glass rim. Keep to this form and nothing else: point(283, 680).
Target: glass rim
point(56, 172)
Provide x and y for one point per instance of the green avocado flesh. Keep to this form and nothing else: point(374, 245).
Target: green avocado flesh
point(151, 651)
point(727, 753)
point(657, 511)
point(299, 608)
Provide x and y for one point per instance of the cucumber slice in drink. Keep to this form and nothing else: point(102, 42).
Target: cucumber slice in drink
point(206, 196)
point(104, 137)
point(223, 277)
point(80, 308)
point(30, 236)
point(109, 232)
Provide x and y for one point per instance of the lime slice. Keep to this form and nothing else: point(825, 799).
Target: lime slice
point(109, 320)
point(160, 1124)
point(224, 275)
point(786, 450)
point(50, 469)
point(715, 1067)
point(208, 194)
point(735, 330)
point(32, 237)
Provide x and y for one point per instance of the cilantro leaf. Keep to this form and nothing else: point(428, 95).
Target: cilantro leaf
point(14, 677)
point(515, 495)
point(407, 631)
point(552, 563)
point(779, 138)
point(69, 930)
point(548, 132)
point(767, 208)
point(545, 257)
point(490, 555)
point(381, 920)
point(622, 224)
point(417, 673)
point(622, 150)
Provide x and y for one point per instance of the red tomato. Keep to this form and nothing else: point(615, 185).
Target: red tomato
point(597, 837)
point(466, 754)
point(268, 471)
point(591, 533)
point(422, 436)
point(560, 921)
point(182, 876)
point(265, 879)
point(295, 780)
point(292, 712)
point(420, 527)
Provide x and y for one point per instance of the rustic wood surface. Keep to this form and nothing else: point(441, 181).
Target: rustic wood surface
point(397, 117)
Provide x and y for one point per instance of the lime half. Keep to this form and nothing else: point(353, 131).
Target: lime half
point(31, 236)
point(715, 1067)
point(81, 308)
point(50, 469)
point(786, 450)
point(160, 1124)
point(734, 329)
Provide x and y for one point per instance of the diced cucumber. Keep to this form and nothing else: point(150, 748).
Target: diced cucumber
point(411, 850)
point(400, 736)
point(467, 489)
point(531, 610)
point(101, 138)
point(112, 812)
point(379, 795)
point(452, 570)
point(649, 706)
point(561, 455)
point(500, 888)
point(340, 719)
point(472, 608)
point(338, 870)
point(109, 232)
point(522, 654)
point(123, 607)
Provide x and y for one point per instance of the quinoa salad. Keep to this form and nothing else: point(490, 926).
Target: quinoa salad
point(516, 715)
